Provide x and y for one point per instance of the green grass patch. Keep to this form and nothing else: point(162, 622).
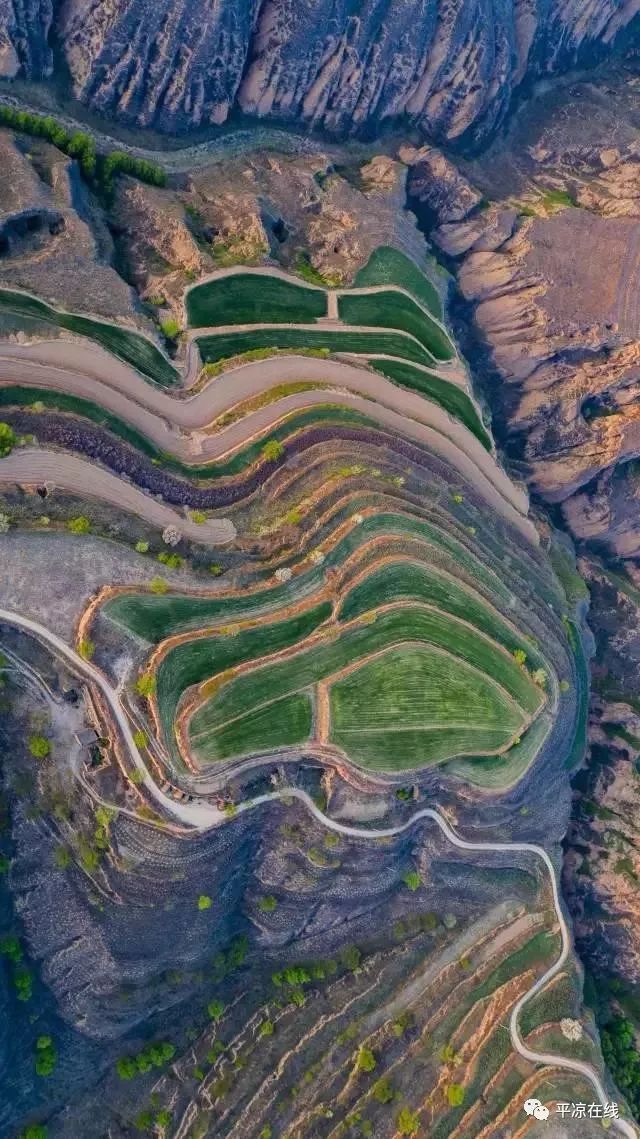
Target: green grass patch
point(19, 396)
point(560, 999)
point(388, 266)
point(495, 772)
point(448, 396)
point(412, 706)
point(195, 661)
point(266, 684)
point(389, 309)
point(412, 581)
point(130, 346)
point(253, 298)
point(155, 617)
point(217, 346)
point(281, 724)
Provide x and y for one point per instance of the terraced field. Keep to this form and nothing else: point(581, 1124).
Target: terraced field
point(251, 298)
point(388, 266)
point(371, 613)
point(130, 346)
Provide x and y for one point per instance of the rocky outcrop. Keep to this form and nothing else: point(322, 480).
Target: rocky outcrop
point(24, 31)
point(176, 64)
point(554, 288)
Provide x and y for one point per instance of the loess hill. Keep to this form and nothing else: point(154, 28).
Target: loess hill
point(283, 535)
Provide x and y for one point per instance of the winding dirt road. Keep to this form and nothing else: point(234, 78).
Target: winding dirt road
point(204, 816)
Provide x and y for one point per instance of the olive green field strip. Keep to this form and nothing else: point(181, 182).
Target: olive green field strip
point(447, 396)
point(343, 648)
point(132, 347)
point(388, 266)
point(414, 705)
point(239, 461)
point(390, 309)
point(451, 398)
point(154, 618)
point(405, 580)
point(283, 724)
point(253, 298)
point(498, 772)
point(214, 346)
point(195, 661)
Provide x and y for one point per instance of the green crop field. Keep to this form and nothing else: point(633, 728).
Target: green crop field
point(388, 266)
point(413, 581)
point(301, 671)
point(220, 346)
point(413, 706)
point(197, 660)
point(393, 310)
point(253, 298)
point(130, 346)
point(448, 396)
point(499, 771)
point(153, 617)
point(19, 396)
point(281, 724)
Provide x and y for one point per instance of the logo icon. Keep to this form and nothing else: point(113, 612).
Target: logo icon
point(536, 1108)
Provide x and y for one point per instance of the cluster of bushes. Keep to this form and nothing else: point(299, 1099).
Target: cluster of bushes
point(96, 168)
point(623, 1059)
point(11, 948)
point(7, 440)
point(46, 1056)
point(154, 1056)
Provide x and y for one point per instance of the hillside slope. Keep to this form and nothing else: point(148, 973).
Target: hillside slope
point(178, 64)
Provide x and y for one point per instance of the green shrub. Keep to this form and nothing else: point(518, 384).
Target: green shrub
point(79, 525)
point(39, 746)
point(408, 1122)
point(455, 1095)
point(383, 1091)
point(7, 440)
point(365, 1061)
point(215, 1009)
point(204, 902)
point(46, 1057)
point(170, 328)
point(267, 904)
point(146, 684)
point(272, 450)
point(412, 880)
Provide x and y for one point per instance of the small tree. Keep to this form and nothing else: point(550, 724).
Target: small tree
point(39, 746)
point(158, 585)
point(79, 525)
point(170, 328)
point(215, 1010)
point(267, 1028)
point(383, 1091)
point(408, 1122)
point(267, 904)
point(146, 684)
point(35, 1131)
point(366, 1060)
point(272, 450)
point(7, 440)
point(140, 738)
point(86, 648)
point(455, 1095)
point(412, 880)
point(204, 902)
point(520, 657)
